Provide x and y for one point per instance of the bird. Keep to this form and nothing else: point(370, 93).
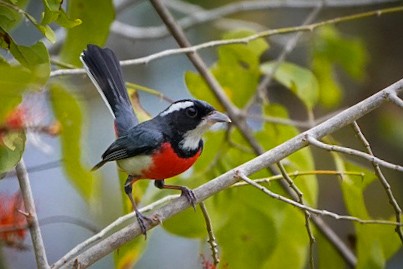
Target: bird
point(157, 149)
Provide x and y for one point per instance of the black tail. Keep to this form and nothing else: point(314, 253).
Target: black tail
point(104, 70)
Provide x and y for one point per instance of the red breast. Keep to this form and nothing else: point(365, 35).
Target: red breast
point(166, 163)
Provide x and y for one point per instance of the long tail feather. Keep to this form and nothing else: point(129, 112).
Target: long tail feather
point(104, 70)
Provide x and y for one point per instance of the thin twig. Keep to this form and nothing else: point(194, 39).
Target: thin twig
point(384, 182)
point(315, 211)
point(32, 218)
point(315, 142)
point(296, 174)
point(396, 100)
point(202, 16)
point(246, 40)
point(306, 213)
point(211, 237)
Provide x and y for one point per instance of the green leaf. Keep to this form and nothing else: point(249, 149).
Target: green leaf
point(14, 80)
point(65, 21)
point(237, 70)
point(348, 52)
point(91, 30)
point(375, 243)
point(35, 58)
point(9, 16)
point(328, 257)
point(331, 48)
point(12, 147)
point(331, 92)
point(299, 80)
point(54, 12)
point(67, 110)
point(188, 224)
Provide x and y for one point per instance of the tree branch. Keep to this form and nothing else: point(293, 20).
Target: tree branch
point(32, 218)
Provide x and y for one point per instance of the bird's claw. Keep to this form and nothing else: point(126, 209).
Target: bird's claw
point(190, 196)
point(141, 219)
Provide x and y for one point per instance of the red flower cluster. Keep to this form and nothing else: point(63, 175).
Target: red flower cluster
point(13, 224)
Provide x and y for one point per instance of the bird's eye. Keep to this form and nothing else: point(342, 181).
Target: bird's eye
point(191, 112)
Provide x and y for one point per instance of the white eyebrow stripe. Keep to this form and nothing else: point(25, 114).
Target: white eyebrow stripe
point(176, 107)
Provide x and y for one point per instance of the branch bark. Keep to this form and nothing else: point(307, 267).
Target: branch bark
point(32, 218)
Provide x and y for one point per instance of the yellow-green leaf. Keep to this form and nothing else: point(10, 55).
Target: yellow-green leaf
point(67, 110)
point(91, 30)
point(12, 147)
point(375, 243)
point(331, 48)
point(35, 58)
point(299, 80)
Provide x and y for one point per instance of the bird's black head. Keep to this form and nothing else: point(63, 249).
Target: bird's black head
point(188, 119)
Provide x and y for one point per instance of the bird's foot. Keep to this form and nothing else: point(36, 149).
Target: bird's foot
point(141, 219)
point(189, 194)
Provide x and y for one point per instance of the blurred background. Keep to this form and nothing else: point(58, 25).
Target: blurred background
point(66, 215)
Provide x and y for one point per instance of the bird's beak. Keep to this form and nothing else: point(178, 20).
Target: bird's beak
point(216, 116)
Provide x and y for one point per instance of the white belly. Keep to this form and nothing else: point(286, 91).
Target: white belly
point(134, 165)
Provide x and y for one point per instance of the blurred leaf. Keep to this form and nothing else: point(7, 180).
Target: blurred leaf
point(248, 227)
point(35, 58)
point(348, 52)
point(299, 80)
point(263, 228)
point(12, 147)
point(14, 80)
point(67, 110)
point(9, 15)
point(387, 128)
point(92, 30)
point(330, 47)
point(128, 254)
point(237, 71)
point(188, 224)
point(328, 257)
point(375, 243)
point(331, 92)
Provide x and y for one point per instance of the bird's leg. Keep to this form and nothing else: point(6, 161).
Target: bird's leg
point(188, 193)
point(140, 217)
